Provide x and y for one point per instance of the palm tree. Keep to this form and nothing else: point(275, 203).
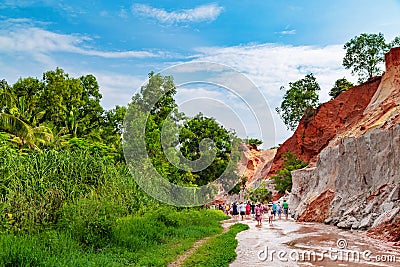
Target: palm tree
point(23, 133)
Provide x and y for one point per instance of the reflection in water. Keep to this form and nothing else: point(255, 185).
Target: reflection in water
point(287, 243)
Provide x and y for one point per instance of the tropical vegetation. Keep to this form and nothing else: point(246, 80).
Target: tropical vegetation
point(67, 197)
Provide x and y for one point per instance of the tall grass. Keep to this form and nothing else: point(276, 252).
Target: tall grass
point(34, 188)
point(153, 239)
point(72, 208)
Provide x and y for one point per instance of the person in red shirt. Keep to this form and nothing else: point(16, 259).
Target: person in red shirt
point(248, 208)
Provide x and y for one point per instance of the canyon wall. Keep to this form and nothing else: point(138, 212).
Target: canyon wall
point(355, 182)
point(314, 133)
point(255, 163)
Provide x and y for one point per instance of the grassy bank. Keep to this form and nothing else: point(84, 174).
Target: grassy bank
point(153, 239)
point(73, 208)
point(218, 251)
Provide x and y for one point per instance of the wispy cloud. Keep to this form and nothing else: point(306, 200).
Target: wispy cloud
point(21, 36)
point(123, 13)
point(207, 12)
point(288, 32)
point(270, 66)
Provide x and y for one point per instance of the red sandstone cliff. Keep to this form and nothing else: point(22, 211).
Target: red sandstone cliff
point(314, 133)
point(255, 163)
point(355, 179)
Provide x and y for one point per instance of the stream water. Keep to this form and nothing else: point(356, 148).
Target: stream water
point(288, 243)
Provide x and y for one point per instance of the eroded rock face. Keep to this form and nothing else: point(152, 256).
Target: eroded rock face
point(255, 163)
point(314, 134)
point(364, 176)
point(360, 167)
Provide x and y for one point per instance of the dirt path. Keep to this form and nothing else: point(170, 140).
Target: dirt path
point(181, 259)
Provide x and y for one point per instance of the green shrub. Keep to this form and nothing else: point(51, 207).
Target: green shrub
point(91, 221)
point(283, 179)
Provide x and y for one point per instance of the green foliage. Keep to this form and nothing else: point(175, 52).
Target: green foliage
point(35, 187)
point(259, 194)
point(194, 131)
point(172, 137)
point(340, 86)
point(25, 135)
point(71, 199)
point(219, 250)
point(45, 113)
point(239, 186)
point(253, 142)
point(146, 240)
point(365, 53)
point(299, 100)
point(91, 221)
point(283, 179)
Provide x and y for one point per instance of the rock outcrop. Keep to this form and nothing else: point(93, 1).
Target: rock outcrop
point(362, 174)
point(315, 132)
point(355, 182)
point(255, 163)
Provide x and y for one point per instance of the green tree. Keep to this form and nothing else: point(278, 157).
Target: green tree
point(300, 99)
point(365, 53)
point(253, 142)
point(73, 103)
point(283, 177)
point(7, 98)
point(112, 127)
point(202, 128)
point(172, 138)
point(23, 133)
point(152, 106)
point(340, 86)
point(260, 194)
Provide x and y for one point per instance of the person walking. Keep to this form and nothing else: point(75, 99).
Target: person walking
point(235, 212)
point(242, 210)
point(285, 209)
point(258, 215)
point(253, 207)
point(248, 208)
point(274, 209)
point(279, 209)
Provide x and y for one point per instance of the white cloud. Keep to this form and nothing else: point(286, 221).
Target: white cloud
point(21, 36)
point(123, 13)
point(270, 66)
point(288, 32)
point(207, 12)
point(117, 89)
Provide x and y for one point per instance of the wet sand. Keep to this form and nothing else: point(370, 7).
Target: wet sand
point(288, 243)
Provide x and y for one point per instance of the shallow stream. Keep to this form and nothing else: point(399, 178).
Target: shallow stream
point(288, 243)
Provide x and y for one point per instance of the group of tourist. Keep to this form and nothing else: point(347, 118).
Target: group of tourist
point(252, 210)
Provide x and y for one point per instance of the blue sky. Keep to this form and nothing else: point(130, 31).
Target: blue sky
point(270, 42)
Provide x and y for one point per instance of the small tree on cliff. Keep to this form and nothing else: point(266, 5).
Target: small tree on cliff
point(301, 98)
point(340, 86)
point(253, 142)
point(365, 54)
point(283, 179)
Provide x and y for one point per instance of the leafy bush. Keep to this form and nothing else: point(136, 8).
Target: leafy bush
point(91, 221)
point(259, 194)
point(283, 179)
